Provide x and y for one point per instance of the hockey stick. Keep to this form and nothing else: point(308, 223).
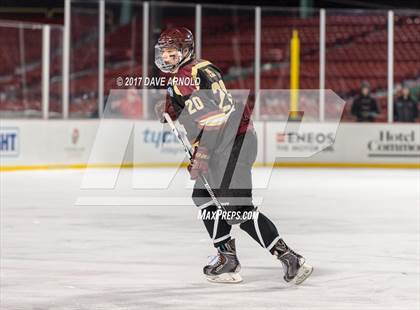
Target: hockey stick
point(188, 151)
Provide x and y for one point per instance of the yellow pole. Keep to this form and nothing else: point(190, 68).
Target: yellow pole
point(294, 74)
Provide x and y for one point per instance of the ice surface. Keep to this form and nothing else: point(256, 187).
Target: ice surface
point(358, 228)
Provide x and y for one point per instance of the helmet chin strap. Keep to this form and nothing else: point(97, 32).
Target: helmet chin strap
point(183, 61)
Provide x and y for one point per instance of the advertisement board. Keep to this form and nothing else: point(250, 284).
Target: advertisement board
point(26, 144)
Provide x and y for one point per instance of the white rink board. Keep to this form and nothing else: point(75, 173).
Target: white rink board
point(149, 148)
point(351, 143)
point(56, 142)
point(41, 142)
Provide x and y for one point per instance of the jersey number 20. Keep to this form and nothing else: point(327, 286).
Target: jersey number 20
point(194, 104)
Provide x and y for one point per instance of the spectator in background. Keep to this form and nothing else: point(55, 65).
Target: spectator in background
point(405, 107)
point(364, 107)
point(130, 106)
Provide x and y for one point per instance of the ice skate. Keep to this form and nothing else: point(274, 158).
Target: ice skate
point(225, 266)
point(296, 270)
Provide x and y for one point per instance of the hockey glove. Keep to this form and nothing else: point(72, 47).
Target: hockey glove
point(199, 163)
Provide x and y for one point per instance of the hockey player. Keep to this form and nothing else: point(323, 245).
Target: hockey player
point(225, 148)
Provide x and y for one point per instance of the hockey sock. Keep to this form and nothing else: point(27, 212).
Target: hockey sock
point(262, 230)
point(217, 228)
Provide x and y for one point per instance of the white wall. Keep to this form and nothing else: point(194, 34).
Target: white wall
point(36, 143)
point(352, 143)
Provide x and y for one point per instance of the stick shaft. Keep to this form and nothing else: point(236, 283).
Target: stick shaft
point(188, 151)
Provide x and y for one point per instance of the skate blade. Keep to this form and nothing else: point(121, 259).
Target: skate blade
point(229, 277)
point(303, 273)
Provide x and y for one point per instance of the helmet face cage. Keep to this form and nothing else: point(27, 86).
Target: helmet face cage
point(180, 39)
point(161, 64)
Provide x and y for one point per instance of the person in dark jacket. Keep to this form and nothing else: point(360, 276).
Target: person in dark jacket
point(364, 107)
point(405, 107)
